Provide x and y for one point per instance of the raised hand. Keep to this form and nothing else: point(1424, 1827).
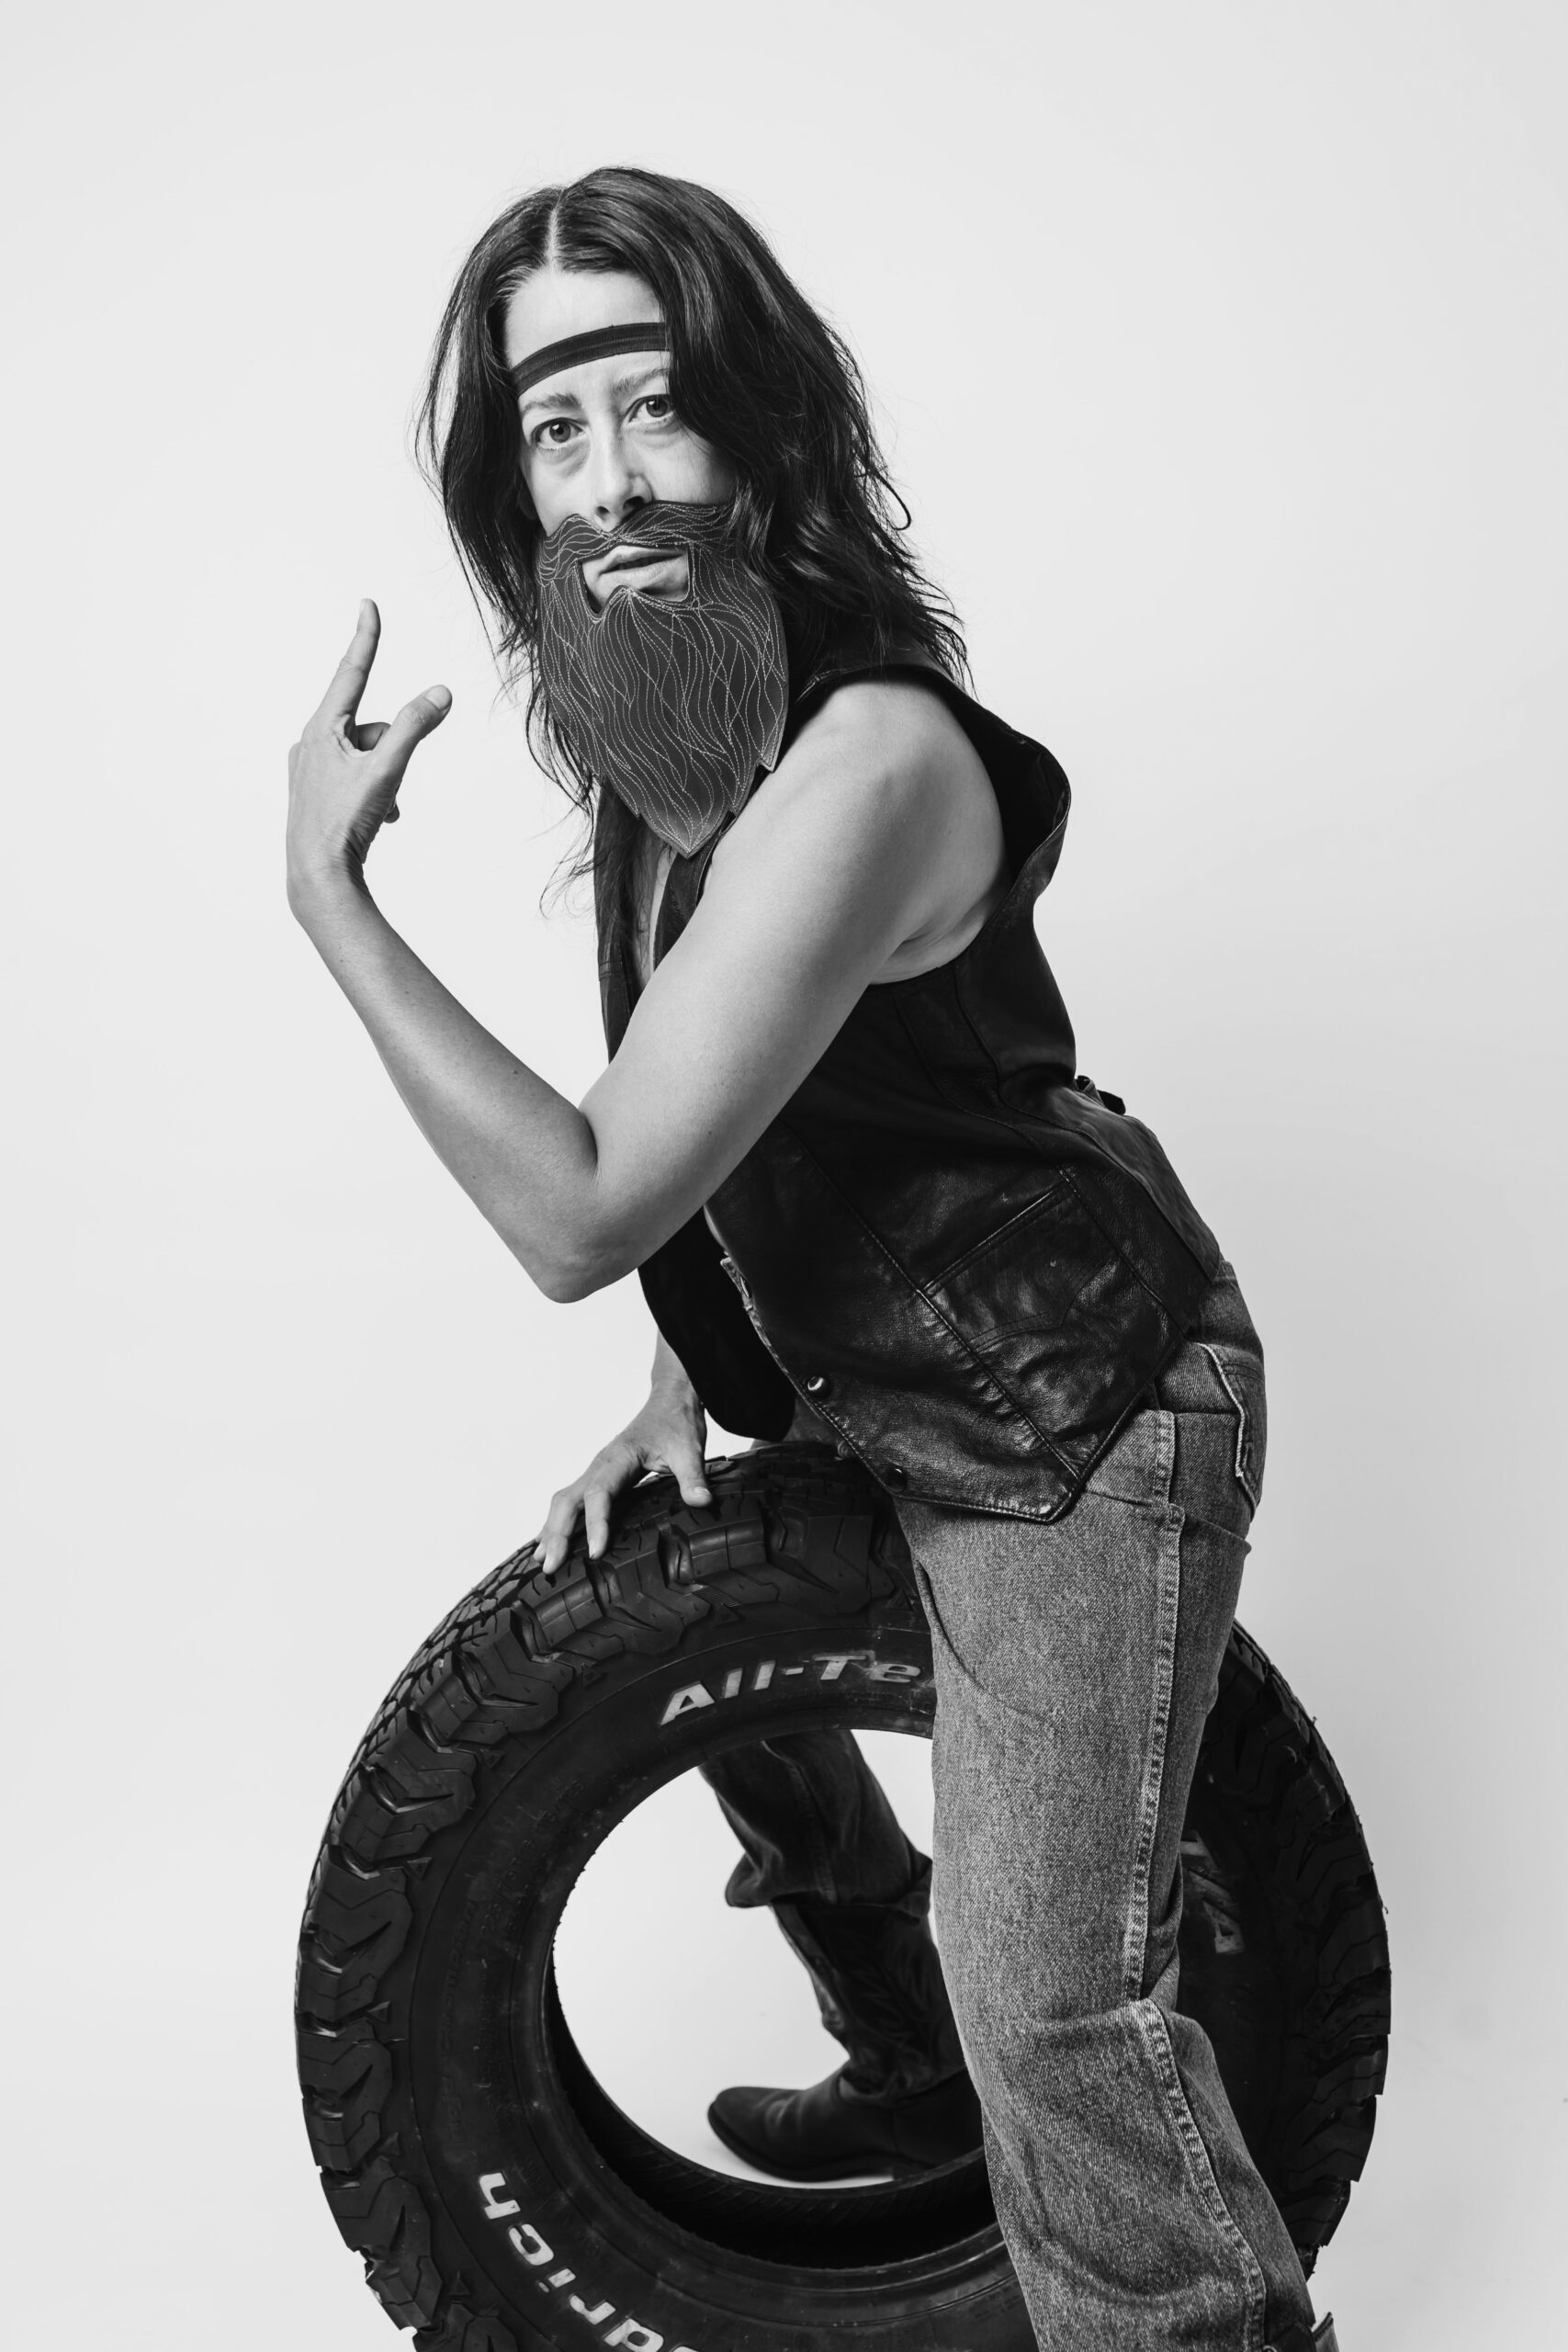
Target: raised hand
point(344, 773)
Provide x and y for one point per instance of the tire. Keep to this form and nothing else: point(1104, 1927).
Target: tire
point(500, 2198)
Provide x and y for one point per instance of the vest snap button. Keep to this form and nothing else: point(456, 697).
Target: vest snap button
point(894, 1475)
point(818, 1384)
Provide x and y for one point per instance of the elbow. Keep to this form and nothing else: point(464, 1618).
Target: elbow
point(579, 1254)
point(566, 1276)
point(564, 1285)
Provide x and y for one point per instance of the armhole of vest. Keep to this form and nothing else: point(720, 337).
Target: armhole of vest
point(1028, 824)
point(817, 690)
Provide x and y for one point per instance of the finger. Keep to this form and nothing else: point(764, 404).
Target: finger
point(596, 1519)
point(340, 700)
point(413, 722)
point(691, 1473)
point(555, 1536)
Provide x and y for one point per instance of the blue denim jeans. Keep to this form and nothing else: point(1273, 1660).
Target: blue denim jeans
point(1076, 1663)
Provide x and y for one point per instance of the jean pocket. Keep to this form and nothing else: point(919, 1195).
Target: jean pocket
point(1242, 1382)
point(1136, 1468)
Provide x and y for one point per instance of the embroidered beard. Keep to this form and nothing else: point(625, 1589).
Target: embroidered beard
point(673, 706)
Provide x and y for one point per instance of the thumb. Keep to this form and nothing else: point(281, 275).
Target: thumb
point(413, 722)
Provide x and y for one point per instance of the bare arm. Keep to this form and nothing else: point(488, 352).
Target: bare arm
point(850, 852)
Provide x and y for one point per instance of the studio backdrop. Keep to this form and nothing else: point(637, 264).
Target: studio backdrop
point(1221, 355)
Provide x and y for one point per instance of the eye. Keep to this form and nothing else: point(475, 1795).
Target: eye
point(658, 407)
point(554, 434)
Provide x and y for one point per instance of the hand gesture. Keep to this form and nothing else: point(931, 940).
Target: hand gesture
point(668, 1434)
point(344, 773)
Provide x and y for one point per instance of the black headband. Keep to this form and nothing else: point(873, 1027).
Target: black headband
point(645, 335)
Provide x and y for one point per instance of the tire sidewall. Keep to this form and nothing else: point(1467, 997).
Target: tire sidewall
point(490, 2122)
point(458, 2129)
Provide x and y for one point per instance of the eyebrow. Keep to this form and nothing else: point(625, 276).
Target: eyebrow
point(620, 385)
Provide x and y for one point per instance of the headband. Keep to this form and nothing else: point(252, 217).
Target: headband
point(645, 334)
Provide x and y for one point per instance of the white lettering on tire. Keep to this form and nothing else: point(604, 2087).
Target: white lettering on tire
point(833, 1662)
point(630, 2334)
point(831, 1666)
point(684, 1702)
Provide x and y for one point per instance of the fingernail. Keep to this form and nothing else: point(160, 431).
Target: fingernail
point(440, 697)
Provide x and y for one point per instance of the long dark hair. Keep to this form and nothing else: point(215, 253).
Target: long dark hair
point(754, 370)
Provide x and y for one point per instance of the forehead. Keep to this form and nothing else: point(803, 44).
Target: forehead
point(556, 303)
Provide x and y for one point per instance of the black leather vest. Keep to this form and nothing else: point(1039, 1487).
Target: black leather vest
point(961, 1255)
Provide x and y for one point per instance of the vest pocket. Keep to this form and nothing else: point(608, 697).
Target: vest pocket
point(996, 1237)
point(1027, 1274)
point(1056, 1313)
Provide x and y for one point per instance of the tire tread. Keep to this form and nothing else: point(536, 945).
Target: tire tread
point(497, 1668)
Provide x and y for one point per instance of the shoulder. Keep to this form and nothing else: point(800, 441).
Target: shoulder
point(877, 751)
point(881, 798)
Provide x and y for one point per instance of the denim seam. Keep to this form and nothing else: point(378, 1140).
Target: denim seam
point(1134, 1947)
point(1217, 1527)
point(1155, 1505)
point(942, 1643)
point(1242, 1481)
point(941, 1636)
point(1156, 2036)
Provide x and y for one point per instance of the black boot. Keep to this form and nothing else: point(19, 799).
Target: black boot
point(828, 2133)
point(904, 2102)
point(879, 1988)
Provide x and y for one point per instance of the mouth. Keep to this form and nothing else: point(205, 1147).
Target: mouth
point(642, 571)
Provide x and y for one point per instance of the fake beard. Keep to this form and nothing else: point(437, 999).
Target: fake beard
point(674, 706)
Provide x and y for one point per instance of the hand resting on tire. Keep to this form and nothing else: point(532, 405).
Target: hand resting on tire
point(669, 1433)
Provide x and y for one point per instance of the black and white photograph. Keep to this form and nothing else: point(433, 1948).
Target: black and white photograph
point(786, 1392)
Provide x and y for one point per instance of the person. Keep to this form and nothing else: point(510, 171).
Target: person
point(843, 1137)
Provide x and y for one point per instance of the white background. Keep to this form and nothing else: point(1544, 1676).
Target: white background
point(1221, 352)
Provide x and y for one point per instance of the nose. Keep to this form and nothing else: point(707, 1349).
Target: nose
point(618, 486)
